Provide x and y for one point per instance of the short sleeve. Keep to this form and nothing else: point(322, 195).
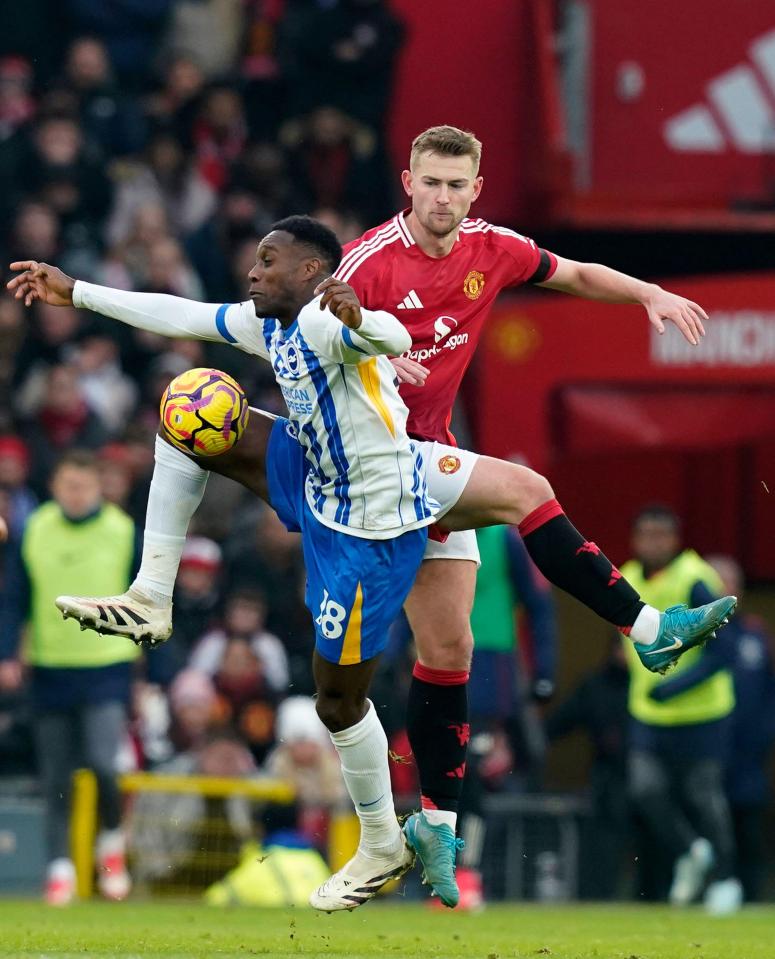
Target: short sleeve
point(525, 261)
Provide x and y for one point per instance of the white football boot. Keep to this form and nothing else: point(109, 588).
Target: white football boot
point(361, 879)
point(60, 883)
point(690, 872)
point(724, 898)
point(131, 614)
point(113, 879)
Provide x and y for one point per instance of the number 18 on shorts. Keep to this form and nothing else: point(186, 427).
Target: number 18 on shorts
point(356, 587)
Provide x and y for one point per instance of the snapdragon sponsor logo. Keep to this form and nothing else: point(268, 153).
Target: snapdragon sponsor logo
point(744, 338)
point(444, 339)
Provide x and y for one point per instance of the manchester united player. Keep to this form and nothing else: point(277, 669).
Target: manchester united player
point(440, 272)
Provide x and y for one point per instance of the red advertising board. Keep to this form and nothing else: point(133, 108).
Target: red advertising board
point(681, 102)
point(618, 415)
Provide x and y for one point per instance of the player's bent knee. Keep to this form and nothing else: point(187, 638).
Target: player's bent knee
point(440, 649)
point(531, 490)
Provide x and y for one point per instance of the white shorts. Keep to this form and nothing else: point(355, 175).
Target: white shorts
point(447, 471)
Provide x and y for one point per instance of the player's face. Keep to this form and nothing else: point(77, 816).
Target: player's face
point(442, 189)
point(279, 276)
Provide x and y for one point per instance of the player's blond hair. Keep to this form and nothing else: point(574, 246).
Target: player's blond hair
point(448, 141)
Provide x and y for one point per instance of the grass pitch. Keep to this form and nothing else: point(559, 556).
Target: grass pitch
point(396, 931)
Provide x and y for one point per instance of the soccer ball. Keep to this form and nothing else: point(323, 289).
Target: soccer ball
point(204, 412)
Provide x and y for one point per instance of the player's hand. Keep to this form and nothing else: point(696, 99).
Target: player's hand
point(10, 674)
point(3, 530)
point(342, 300)
point(409, 371)
point(39, 281)
point(686, 315)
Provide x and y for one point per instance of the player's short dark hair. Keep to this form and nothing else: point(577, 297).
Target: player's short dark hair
point(314, 234)
point(660, 513)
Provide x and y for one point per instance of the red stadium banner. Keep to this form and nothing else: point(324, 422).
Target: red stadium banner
point(617, 415)
point(679, 115)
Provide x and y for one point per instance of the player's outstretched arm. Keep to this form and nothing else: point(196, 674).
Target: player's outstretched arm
point(597, 282)
point(161, 313)
point(359, 332)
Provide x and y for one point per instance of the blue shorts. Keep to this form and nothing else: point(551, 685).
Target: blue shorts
point(355, 587)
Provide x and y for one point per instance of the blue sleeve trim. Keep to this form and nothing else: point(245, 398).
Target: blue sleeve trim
point(347, 337)
point(220, 323)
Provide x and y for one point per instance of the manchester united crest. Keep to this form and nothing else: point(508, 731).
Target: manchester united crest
point(473, 285)
point(449, 464)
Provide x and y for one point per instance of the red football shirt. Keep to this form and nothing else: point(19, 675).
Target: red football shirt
point(443, 302)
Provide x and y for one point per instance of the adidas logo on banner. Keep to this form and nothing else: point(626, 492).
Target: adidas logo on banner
point(739, 110)
point(410, 302)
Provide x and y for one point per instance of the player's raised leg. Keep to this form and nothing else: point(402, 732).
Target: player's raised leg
point(439, 610)
point(500, 492)
point(144, 612)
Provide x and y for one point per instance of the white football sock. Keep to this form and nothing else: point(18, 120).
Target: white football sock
point(363, 751)
point(177, 488)
point(646, 627)
point(441, 817)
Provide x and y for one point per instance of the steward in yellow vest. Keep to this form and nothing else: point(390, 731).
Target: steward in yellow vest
point(681, 725)
point(685, 579)
point(80, 681)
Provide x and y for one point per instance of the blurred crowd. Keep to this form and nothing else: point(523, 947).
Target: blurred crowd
point(148, 145)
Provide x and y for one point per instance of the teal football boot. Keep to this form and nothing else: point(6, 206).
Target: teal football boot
point(436, 847)
point(681, 629)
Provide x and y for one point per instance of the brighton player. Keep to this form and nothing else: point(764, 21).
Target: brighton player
point(341, 470)
point(441, 271)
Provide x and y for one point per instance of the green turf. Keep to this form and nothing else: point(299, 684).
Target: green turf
point(189, 931)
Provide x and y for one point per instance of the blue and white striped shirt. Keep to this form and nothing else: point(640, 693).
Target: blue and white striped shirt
point(366, 476)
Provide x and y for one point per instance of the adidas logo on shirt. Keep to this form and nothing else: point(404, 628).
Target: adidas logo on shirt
point(410, 302)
